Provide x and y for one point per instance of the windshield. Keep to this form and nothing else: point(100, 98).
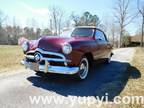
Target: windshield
point(83, 32)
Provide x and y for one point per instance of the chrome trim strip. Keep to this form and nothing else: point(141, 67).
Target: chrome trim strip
point(49, 59)
point(32, 51)
point(59, 69)
point(56, 60)
point(52, 69)
point(46, 52)
point(29, 56)
point(51, 53)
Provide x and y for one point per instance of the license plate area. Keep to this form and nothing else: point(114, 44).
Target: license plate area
point(33, 66)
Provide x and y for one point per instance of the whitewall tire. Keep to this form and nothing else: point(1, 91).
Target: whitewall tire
point(84, 68)
point(108, 60)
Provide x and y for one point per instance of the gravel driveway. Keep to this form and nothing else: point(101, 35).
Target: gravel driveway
point(16, 88)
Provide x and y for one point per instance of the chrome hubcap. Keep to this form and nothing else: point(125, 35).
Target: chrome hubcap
point(84, 67)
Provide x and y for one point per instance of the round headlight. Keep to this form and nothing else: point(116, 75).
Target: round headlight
point(67, 48)
point(25, 46)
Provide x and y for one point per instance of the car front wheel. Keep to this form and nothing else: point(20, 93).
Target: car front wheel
point(84, 68)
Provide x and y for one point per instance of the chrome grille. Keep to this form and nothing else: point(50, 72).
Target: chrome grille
point(48, 56)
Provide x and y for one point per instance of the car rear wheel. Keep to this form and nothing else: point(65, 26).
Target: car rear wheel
point(108, 60)
point(84, 68)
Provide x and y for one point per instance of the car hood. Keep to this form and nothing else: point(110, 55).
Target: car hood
point(55, 43)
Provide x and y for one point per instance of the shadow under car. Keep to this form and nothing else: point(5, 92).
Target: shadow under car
point(111, 79)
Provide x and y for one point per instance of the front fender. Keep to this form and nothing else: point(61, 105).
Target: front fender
point(79, 49)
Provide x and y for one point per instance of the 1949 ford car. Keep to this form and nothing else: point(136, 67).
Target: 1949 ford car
point(67, 55)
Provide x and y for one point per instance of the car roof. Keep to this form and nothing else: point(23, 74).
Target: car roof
point(85, 27)
point(92, 27)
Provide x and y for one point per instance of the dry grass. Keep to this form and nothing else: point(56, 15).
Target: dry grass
point(10, 57)
point(135, 86)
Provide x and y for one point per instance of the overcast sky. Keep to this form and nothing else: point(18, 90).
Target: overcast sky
point(24, 10)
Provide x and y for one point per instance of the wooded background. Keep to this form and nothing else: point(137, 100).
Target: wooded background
point(115, 28)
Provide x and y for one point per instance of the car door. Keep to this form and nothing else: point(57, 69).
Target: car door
point(102, 44)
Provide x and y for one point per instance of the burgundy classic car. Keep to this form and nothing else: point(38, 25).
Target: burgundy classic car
point(72, 55)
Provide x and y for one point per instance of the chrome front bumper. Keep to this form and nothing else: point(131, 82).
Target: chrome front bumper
point(47, 68)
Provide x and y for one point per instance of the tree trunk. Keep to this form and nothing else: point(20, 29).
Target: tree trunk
point(113, 40)
point(142, 44)
point(51, 27)
point(120, 39)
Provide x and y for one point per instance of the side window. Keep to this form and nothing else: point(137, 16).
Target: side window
point(100, 35)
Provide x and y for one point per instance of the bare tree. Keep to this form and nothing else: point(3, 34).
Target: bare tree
point(60, 21)
point(3, 35)
point(122, 16)
point(111, 29)
point(113, 32)
point(2, 18)
point(75, 18)
point(56, 19)
point(33, 23)
point(141, 12)
point(51, 27)
point(38, 33)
